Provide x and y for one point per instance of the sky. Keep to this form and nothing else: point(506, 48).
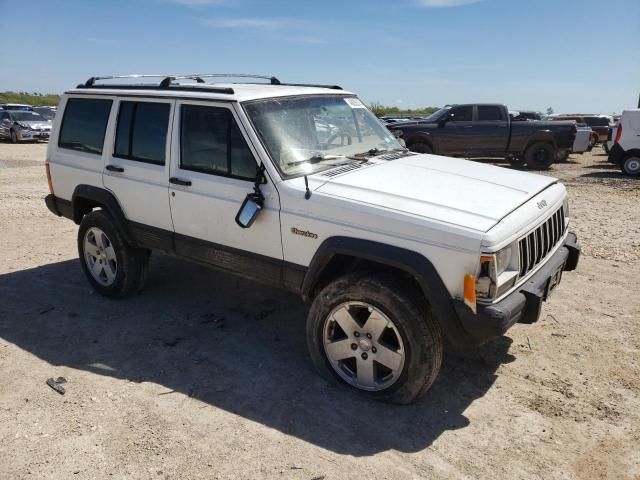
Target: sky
point(571, 55)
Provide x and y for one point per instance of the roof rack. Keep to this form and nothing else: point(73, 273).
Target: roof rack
point(167, 81)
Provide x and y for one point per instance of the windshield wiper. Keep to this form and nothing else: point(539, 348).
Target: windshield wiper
point(377, 151)
point(315, 159)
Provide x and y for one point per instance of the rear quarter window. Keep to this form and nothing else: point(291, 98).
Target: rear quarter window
point(84, 124)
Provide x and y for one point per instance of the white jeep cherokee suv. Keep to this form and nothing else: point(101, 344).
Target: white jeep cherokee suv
point(302, 187)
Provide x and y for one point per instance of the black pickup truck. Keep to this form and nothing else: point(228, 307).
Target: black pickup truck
point(487, 130)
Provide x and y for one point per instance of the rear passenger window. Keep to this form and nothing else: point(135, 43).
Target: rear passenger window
point(141, 134)
point(461, 114)
point(211, 142)
point(487, 113)
point(84, 124)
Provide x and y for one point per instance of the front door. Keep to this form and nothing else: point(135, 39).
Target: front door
point(212, 171)
point(455, 136)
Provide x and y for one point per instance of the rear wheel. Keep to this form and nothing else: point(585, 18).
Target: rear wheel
point(114, 268)
point(630, 165)
point(540, 155)
point(373, 334)
point(421, 148)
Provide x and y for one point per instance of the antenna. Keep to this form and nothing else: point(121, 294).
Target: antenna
point(307, 194)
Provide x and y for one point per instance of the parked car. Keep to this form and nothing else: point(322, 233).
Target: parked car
point(584, 139)
point(47, 112)
point(486, 130)
point(21, 125)
point(16, 106)
point(598, 123)
point(625, 151)
point(394, 251)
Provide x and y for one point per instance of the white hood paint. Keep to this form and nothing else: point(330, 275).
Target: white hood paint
point(449, 190)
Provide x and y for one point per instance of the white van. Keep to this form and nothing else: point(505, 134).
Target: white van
point(625, 151)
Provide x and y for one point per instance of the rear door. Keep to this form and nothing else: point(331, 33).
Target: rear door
point(136, 166)
point(455, 136)
point(490, 130)
point(213, 168)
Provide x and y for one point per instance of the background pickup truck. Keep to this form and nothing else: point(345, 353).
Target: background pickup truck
point(487, 130)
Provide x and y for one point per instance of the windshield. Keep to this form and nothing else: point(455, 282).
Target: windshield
point(26, 117)
point(435, 116)
point(308, 134)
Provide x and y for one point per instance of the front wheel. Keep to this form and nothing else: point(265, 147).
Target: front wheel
point(540, 156)
point(421, 148)
point(14, 136)
point(113, 267)
point(373, 334)
point(630, 165)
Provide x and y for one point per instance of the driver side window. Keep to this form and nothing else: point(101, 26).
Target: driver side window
point(211, 142)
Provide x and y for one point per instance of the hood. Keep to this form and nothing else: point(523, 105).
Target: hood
point(450, 190)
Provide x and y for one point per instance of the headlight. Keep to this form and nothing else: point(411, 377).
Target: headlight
point(503, 259)
point(498, 272)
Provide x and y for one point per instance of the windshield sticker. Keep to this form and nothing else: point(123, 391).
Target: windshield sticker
point(354, 102)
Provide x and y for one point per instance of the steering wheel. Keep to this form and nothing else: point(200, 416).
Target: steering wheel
point(342, 136)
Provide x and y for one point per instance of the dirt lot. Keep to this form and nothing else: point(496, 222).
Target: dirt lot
point(204, 375)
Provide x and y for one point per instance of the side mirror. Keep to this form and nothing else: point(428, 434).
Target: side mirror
point(443, 121)
point(249, 209)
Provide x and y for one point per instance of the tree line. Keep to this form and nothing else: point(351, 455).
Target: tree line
point(36, 99)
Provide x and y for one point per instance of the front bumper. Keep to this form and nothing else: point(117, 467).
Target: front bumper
point(523, 305)
point(33, 135)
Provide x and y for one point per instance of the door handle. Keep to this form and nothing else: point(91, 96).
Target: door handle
point(467, 126)
point(114, 168)
point(179, 181)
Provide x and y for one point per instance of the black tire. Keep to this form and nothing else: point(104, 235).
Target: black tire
point(420, 147)
point(540, 155)
point(14, 136)
point(403, 305)
point(132, 263)
point(630, 165)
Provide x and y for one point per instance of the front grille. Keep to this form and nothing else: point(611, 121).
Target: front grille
point(536, 245)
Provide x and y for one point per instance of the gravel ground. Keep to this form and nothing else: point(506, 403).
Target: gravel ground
point(204, 375)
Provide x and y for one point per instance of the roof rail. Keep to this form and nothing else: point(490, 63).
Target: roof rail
point(167, 81)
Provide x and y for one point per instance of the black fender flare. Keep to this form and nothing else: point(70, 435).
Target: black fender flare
point(410, 262)
point(420, 137)
point(546, 136)
point(106, 200)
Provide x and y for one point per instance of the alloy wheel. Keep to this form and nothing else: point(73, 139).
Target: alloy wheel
point(100, 256)
point(364, 346)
